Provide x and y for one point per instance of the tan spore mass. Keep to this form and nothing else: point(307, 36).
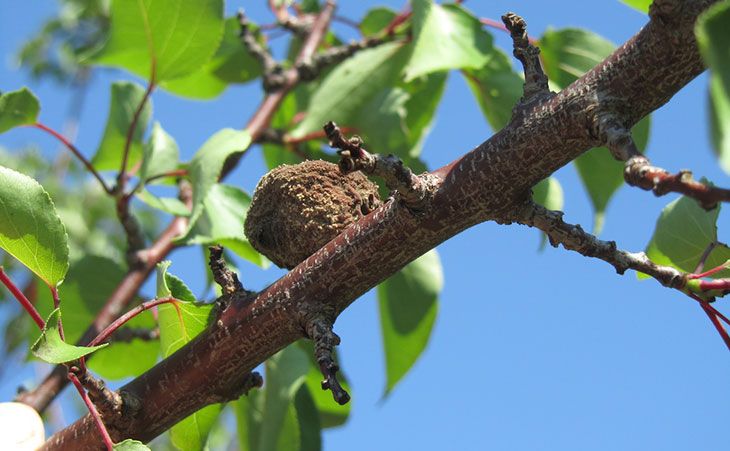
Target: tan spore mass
point(297, 209)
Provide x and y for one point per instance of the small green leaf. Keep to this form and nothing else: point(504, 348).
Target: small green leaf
point(52, 349)
point(175, 331)
point(18, 108)
point(174, 36)
point(170, 205)
point(549, 194)
point(224, 212)
point(682, 234)
point(376, 20)
point(206, 165)
point(89, 283)
point(160, 154)
point(397, 119)
point(445, 37)
point(639, 5)
point(570, 52)
point(497, 88)
point(714, 43)
point(30, 229)
point(125, 99)
point(408, 306)
point(130, 445)
point(351, 85)
point(230, 64)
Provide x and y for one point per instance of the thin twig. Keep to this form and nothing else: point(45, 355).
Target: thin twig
point(77, 153)
point(24, 302)
point(122, 176)
point(92, 410)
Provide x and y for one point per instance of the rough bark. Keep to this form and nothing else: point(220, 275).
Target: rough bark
point(491, 182)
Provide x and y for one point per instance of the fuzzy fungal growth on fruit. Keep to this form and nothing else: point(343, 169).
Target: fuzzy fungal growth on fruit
point(297, 209)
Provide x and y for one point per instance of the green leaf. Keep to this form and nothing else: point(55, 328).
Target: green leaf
point(230, 64)
point(408, 306)
point(268, 418)
point(167, 204)
point(497, 88)
point(570, 52)
point(714, 43)
point(602, 175)
point(682, 234)
point(160, 154)
point(639, 5)
point(567, 55)
point(221, 222)
point(206, 165)
point(173, 35)
point(125, 99)
point(549, 194)
point(376, 20)
point(351, 85)
point(18, 108)
point(175, 331)
point(397, 119)
point(310, 434)
point(30, 229)
point(52, 349)
point(130, 445)
point(445, 37)
point(89, 283)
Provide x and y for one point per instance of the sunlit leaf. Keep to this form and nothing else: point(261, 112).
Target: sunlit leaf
point(351, 85)
point(178, 325)
point(18, 108)
point(221, 220)
point(170, 205)
point(30, 229)
point(445, 37)
point(130, 445)
point(125, 99)
point(497, 88)
point(175, 36)
point(408, 304)
point(639, 5)
point(549, 194)
point(206, 165)
point(160, 154)
point(682, 234)
point(52, 349)
point(376, 20)
point(230, 64)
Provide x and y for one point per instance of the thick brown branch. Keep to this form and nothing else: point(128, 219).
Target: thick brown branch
point(491, 182)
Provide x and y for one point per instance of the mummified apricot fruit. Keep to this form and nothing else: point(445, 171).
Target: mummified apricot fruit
point(297, 209)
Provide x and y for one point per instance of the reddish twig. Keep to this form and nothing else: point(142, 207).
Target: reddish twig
point(24, 302)
point(74, 150)
point(640, 173)
point(317, 134)
point(122, 176)
point(398, 20)
point(175, 173)
point(716, 322)
point(92, 410)
point(119, 322)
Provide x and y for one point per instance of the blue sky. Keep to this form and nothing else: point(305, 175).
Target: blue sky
point(531, 350)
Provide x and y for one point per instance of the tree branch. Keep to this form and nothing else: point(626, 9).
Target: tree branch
point(492, 182)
